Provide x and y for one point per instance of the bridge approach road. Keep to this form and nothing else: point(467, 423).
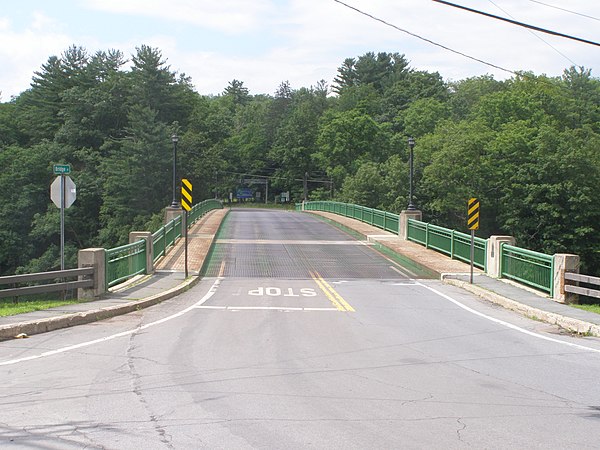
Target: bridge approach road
point(301, 336)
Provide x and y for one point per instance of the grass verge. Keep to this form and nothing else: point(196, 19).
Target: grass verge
point(8, 308)
point(591, 308)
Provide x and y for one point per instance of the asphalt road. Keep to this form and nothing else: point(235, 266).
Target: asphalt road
point(300, 336)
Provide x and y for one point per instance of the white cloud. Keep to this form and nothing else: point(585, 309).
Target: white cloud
point(23, 52)
point(229, 16)
point(304, 41)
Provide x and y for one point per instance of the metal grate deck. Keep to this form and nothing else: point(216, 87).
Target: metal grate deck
point(276, 244)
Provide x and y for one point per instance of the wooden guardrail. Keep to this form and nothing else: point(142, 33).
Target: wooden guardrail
point(15, 280)
point(586, 279)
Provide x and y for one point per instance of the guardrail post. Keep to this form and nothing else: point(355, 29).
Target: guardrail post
point(93, 257)
point(493, 257)
point(564, 263)
point(403, 221)
point(135, 236)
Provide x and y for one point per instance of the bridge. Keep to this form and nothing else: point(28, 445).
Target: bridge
point(150, 267)
point(302, 328)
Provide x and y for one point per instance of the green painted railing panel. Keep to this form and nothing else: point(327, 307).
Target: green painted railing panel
point(417, 231)
point(527, 267)
point(159, 242)
point(453, 243)
point(380, 219)
point(125, 262)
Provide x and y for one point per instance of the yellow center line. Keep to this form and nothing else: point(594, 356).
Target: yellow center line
point(335, 298)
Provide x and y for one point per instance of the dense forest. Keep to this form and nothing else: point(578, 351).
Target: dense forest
point(528, 147)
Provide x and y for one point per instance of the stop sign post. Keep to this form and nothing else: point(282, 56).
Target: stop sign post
point(63, 193)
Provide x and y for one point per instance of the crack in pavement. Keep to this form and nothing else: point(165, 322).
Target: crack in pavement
point(138, 391)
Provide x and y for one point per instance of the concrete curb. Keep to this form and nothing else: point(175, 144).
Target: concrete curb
point(567, 323)
point(70, 320)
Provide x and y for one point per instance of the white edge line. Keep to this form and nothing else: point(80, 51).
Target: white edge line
point(207, 296)
point(506, 324)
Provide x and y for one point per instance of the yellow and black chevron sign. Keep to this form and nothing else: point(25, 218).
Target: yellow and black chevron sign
point(473, 214)
point(186, 194)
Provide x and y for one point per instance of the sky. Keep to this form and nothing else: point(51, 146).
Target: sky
point(265, 42)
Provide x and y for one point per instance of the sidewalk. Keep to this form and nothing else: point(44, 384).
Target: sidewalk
point(169, 281)
point(140, 292)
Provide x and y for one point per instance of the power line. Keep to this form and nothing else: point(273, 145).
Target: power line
point(524, 75)
point(521, 24)
point(425, 39)
point(566, 10)
point(537, 36)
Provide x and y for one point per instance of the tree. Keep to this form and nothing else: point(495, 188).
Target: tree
point(380, 71)
point(347, 139)
point(137, 176)
point(422, 116)
point(156, 87)
point(296, 137)
point(238, 92)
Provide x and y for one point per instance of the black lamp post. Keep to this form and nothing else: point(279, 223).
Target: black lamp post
point(411, 145)
point(174, 139)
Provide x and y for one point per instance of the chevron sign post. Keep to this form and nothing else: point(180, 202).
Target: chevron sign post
point(473, 224)
point(186, 204)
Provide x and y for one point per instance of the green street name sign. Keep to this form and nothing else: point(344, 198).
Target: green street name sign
point(62, 169)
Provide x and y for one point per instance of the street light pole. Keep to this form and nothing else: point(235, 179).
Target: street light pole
point(411, 145)
point(305, 186)
point(174, 139)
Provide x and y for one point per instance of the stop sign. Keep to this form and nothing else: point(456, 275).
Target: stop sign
point(70, 191)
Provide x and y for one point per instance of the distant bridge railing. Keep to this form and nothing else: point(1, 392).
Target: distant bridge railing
point(129, 260)
point(524, 266)
point(380, 219)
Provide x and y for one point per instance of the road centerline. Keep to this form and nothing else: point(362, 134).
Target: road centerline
point(336, 299)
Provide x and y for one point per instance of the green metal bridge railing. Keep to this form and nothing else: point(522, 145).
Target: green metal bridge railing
point(380, 219)
point(531, 268)
point(165, 237)
point(126, 261)
point(453, 243)
point(524, 266)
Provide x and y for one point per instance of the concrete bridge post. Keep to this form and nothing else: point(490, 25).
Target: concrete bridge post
point(403, 221)
point(493, 254)
point(135, 236)
point(172, 212)
point(564, 263)
point(96, 258)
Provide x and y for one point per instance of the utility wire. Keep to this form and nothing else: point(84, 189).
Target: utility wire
point(517, 74)
point(537, 36)
point(521, 24)
point(425, 39)
point(566, 10)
